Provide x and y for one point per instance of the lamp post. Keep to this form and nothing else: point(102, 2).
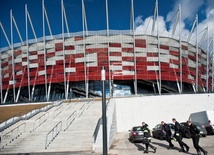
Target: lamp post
point(103, 78)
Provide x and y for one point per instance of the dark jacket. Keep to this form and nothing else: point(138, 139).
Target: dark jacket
point(193, 130)
point(177, 127)
point(166, 128)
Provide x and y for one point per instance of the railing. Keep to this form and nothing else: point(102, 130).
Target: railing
point(70, 119)
point(58, 111)
point(99, 122)
point(55, 131)
point(84, 107)
point(42, 119)
point(70, 105)
point(13, 134)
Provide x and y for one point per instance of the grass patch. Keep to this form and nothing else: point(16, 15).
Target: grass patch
point(6, 112)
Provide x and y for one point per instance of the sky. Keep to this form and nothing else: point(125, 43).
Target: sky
point(119, 16)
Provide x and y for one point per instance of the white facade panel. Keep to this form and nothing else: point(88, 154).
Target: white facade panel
point(24, 63)
point(124, 45)
point(127, 54)
point(17, 60)
point(19, 72)
point(40, 52)
point(24, 55)
point(152, 68)
point(127, 63)
point(115, 49)
point(191, 77)
point(151, 50)
point(78, 60)
point(174, 43)
point(51, 50)
point(79, 49)
point(138, 49)
point(68, 52)
point(50, 44)
point(173, 65)
point(152, 59)
point(59, 53)
point(173, 57)
point(140, 54)
point(115, 58)
point(191, 63)
point(91, 64)
point(33, 57)
point(125, 72)
point(163, 51)
point(91, 57)
point(164, 58)
point(70, 70)
point(6, 75)
point(204, 76)
point(50, 63)
point(115, 68)
point(69, 41)
point(41, 73)
point(34, 65)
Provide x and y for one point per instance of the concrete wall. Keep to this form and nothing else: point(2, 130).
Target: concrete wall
point(153, 109)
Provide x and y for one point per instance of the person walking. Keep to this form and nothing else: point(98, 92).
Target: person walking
point(178, 136)
point(147, 138)
point(194, 132)
point(168, 132)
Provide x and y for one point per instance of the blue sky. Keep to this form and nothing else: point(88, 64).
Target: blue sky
point(119, 15)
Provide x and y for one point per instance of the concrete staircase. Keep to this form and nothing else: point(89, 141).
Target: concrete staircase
point(76, 124)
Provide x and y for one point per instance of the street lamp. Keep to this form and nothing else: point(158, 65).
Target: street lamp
point(103, 78)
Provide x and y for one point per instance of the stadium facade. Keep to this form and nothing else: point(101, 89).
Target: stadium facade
point(69, 65)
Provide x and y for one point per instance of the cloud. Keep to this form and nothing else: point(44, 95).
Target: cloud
point(189, 8)
point(145, 26)
point(189, 11)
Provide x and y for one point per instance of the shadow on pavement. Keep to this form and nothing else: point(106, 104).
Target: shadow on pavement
point(139, 146)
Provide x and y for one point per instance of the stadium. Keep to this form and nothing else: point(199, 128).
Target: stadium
point(68, 65)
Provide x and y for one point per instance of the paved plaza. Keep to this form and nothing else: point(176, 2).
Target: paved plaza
point(122, 146)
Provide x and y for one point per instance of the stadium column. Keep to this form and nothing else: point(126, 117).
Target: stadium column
point(213, 66)
point(12, 50)
point(85, 55)
point(181, 54)
point(28, 70)
point(109, 61)
point(1, 79)
point(159, 56)
point(196, 53)
point(135, 67)
point(207, 65)
point(44, 47)
point(63, 48)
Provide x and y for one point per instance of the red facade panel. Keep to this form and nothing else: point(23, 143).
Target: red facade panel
point(140, 43)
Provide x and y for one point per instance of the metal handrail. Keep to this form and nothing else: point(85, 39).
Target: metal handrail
point(57, 110)
point(40, 122)
point(55, 131)
point(99, 122)
point(69, 121)
point(77, 100)
point(14, 133)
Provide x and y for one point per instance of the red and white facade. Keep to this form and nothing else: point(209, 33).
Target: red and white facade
point(70, 58)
